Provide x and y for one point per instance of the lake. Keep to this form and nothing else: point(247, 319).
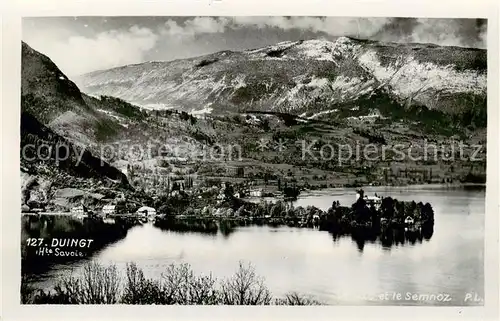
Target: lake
point(439, 271)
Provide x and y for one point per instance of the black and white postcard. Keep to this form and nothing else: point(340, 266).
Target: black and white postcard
point(277, 160)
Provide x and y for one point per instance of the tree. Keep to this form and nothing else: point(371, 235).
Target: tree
point(229, 191)
point(387, 207)
point(245, 288)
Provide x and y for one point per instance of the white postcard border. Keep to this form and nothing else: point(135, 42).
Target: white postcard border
point(11, 32)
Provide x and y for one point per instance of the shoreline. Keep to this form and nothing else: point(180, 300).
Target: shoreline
point(321, 191)
point(409, 186)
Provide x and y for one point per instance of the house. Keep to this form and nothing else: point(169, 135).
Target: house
point(409, 220)
point(109, 220)
point(80, 211)
point(236, 171)
point(109, 209)
point(221, 196)
point(146, 211)
point(256, 193)
point(221, 212)
point(373, 200)
point(376, 201)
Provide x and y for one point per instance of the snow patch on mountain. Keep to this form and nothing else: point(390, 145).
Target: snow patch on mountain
point(218, 86)
point(239, 81)
point(414, 76)
point(318, 82)
point(324, 112)
point(156, 106)
point(200, 112)
point(343, 83)
point(317, 49)
point(339, 89)
point(107, 112)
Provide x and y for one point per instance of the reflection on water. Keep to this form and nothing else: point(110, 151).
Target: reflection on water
point(356, 269)
point(390, 237)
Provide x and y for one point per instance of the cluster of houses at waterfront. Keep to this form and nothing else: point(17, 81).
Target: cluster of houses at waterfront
point(376, 202)
point(109, 212)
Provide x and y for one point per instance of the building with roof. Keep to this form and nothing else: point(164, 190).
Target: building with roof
point(146, 211)
point(80, 211)
point(376, 201)
point(109, 209)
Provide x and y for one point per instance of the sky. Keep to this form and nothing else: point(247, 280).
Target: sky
point(79, 45)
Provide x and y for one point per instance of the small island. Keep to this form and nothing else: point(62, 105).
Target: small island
point(368, 218)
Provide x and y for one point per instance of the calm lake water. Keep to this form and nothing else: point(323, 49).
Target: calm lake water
point(334, 271)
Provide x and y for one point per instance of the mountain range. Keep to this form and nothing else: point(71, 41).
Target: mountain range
point(347, 91)
point(312, 77)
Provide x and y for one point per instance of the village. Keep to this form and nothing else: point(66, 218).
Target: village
point(237, 193)
point(230, 208)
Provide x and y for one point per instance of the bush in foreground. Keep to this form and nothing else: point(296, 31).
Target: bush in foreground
point(245, 288)
point(98, 284)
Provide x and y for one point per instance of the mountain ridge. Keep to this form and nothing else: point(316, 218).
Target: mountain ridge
point(59, 134)
point(413, 44)
point(291, 76)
